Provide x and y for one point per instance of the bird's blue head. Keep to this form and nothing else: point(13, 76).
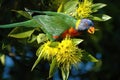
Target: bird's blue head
point(86, 24)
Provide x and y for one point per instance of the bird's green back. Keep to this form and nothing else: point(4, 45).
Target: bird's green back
point(55, 25)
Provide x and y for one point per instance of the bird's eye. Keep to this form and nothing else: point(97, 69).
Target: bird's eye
point(86, 24)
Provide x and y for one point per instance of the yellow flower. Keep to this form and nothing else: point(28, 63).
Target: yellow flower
point(48, 51)
point(84, 9)
point(68, 53)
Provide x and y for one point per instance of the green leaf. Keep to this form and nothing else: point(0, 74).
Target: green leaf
point(39, 54)
point(41, 38)
point(53, 67)
point(97, 66)
point(100, 17)
point(20, 32)
point(6, 46)
point(61, 7)
point(3, 46)
point(23, 13)
point(32, 38)
point(70, 6)
point(97, 6)
point(77, 41)
point(88, 57)
point(65, 72)
point(2, 59)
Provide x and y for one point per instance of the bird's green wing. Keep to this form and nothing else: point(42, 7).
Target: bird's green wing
point(55, 24)
point(52, 23)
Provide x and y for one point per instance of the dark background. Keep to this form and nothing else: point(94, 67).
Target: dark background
point(107, 43)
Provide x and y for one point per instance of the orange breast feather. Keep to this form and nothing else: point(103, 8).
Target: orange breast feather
point(70, 32)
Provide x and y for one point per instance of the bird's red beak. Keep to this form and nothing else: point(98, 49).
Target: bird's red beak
point(91, 30)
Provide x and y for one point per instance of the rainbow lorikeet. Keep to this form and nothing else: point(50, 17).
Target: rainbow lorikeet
point(85, 24)
point(56, 24)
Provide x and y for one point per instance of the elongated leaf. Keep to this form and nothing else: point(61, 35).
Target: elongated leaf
point(53, 67)
point(88, 57)
point(100, 17)
point(70, 6)
point(39, 54)
point(97, 6)
point(61, 7)
point(32, 38)
point(77, 41)
point(65, 72)
point(23, 13)
point(2, 59)
point(36, 62)
point(19, 32)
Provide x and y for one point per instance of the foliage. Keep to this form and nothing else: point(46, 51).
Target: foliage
point(61, 54)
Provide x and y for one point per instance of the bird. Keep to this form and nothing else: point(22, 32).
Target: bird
point(84, 24)
point(56, 24)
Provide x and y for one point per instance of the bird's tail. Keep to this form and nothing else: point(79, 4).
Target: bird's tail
point(29, 23)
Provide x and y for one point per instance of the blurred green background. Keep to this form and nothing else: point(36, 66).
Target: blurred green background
point(105, 45)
